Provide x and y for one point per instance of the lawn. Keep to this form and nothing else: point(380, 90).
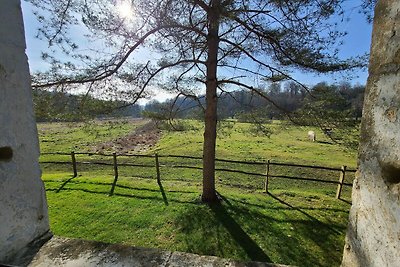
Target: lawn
point(289, 227)
point(299, 223)
point(287, 143)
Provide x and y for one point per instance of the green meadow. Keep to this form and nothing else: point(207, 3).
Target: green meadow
point(298, 222)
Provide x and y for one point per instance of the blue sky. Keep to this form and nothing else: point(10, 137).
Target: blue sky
point(357, 42)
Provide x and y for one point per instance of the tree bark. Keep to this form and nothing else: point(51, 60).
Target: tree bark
point(210, 117)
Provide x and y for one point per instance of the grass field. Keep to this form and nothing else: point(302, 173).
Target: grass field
point(66, 137)
point(299, 223)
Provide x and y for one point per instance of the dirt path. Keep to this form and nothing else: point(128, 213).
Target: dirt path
point(141, 139)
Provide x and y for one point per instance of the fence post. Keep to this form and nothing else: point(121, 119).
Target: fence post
point(157, 169)
point(266, 178)
point(341, 180)
point(74, 164)
point(115, 173)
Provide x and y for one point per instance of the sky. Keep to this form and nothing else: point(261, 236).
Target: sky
point(357, 42)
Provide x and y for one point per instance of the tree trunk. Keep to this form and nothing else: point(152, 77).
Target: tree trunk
point(210, 117)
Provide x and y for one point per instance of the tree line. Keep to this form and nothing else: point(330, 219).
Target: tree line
point(331, 102)
point(52, 106)
point(242, 105)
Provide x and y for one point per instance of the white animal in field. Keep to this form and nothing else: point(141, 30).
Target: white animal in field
point(311, 136)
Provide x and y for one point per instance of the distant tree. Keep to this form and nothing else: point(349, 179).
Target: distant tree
point(214, 44)
point(59, 106)
point(332, 108)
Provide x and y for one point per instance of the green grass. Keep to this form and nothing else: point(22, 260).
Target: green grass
point(287, 144)
point(288, 227)
point(299, 223)
point(67, 137)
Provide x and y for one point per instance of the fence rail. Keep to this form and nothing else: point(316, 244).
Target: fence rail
point(157, 165)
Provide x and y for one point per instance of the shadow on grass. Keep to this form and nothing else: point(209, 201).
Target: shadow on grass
point(325, 142)
point(253, 251)
point(345, 201)
point(164, 197)
point(65, 183)
point(314, 221)
point(289, 207)
point(267, 228)
point(298, 238)
point(70, 181)
point(243, 232)
point(312, 218)
point(163, 193)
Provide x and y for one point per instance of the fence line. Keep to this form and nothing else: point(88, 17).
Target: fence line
point(305, 166)
point(341, 181)
point(267, 177)
point(308, 179)
point(157, 166)
point(97, 154)
point(179, 156)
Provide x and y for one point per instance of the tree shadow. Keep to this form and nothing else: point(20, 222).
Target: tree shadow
point(253, 251)
point(211, 230)
point(322, 249)
point(240, 231)
point(325, 235)
point(290, 207)
point(244, 228)
point(315, 220)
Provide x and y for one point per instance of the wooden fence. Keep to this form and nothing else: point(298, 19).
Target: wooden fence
point(267, 175)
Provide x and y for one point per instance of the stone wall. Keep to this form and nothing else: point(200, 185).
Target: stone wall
point(373, 237)
point(23, 208)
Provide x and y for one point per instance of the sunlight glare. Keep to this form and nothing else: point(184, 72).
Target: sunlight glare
point(125, 10)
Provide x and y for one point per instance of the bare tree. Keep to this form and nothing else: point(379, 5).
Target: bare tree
point(212, 44)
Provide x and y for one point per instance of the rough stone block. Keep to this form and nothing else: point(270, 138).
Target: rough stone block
point(373, 236)
point(23, 208)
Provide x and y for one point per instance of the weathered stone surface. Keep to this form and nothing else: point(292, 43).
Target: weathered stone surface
point(73, 252)
point(373, 237)
point(23, 209)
